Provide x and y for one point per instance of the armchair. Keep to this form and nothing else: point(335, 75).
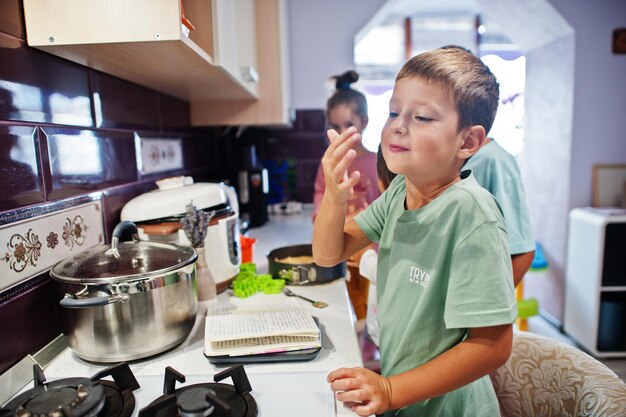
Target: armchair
point(545, 377)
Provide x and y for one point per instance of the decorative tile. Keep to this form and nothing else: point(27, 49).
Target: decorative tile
point(156, 155)
point(30, 246)
point(20, 177)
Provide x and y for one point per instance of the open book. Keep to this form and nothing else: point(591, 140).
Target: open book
point(257, 331)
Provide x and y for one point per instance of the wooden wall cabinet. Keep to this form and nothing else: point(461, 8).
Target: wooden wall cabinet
point(142, 41)
point(272, 106)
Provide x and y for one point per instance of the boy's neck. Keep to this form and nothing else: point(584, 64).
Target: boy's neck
point(421, 193)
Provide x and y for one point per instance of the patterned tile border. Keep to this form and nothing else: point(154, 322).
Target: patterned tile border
point(30, 246)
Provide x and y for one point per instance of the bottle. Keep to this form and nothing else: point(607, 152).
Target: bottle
point(207, 289)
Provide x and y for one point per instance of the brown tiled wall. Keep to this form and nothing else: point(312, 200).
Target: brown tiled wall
point(52, 110)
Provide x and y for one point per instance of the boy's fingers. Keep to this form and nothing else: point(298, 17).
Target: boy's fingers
point(347, 187)
point(356, 396)
point(339, 373)
point(344, 146)
point(363, 409)
point(340, 143)
point(332, 135)
point(340, 169)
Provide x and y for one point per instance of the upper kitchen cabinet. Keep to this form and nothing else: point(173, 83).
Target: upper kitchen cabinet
point(145, 41)
point(272, 105)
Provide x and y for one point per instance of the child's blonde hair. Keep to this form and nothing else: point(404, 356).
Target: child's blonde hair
point(473, 88)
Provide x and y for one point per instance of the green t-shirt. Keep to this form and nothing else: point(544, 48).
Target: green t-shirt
point(442, 269)
point(496, 170)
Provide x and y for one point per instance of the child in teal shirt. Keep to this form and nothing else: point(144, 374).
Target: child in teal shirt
point(445, 285)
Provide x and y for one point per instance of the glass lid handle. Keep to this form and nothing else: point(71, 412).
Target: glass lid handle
point(121, 229)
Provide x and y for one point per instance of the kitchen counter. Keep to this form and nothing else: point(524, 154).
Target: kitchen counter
point(339, 342)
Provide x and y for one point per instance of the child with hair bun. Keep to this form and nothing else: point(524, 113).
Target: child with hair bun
point(347, 108)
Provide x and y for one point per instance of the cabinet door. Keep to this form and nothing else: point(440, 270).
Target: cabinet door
point(234, 46)
point(139, 41)
point(271, 107)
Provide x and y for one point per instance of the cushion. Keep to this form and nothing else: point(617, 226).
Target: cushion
point(545, 377)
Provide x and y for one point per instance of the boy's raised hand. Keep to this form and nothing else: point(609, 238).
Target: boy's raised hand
point(361, 390)
point(335, 162)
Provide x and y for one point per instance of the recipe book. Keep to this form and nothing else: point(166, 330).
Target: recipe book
point(263, 329)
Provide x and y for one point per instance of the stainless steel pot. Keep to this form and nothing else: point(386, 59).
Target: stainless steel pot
point(128, 301)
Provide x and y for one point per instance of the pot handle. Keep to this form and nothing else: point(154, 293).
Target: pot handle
point(299, 274)
point(71, 302)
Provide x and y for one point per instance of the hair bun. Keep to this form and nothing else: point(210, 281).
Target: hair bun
point(344, 80)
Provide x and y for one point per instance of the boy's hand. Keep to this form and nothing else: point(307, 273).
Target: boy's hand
point(335, 162)
point(361, 390)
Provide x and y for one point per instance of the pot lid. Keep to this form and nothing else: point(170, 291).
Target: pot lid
point(130, 261)
point(171, 199)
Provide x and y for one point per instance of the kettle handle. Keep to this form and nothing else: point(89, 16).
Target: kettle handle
point(231, 195)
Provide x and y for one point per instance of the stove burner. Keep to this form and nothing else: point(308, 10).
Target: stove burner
point(118, 403)
point(203, 400)
point(193, 402)
point(77, 397)
point(65, 397)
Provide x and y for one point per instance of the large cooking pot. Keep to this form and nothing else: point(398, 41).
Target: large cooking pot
point(127, 301)
point(301, 273)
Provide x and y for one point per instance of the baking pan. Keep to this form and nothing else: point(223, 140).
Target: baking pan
point(303, 273)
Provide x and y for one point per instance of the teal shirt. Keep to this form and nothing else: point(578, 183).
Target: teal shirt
point(496, 170)
point(442, 269)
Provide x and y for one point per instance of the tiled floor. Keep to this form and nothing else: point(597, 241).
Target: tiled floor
point(540, 326)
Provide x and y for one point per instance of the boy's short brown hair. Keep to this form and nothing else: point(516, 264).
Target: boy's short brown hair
point(473, 88)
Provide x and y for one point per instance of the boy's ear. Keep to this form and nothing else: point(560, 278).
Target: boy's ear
point(473, 139)
point(365, 120)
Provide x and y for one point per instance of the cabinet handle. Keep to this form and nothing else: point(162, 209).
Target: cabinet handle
point(249, 74)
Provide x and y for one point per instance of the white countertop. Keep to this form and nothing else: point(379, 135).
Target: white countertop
point(339, 342)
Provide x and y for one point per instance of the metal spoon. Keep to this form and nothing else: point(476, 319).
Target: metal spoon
point(318, 304)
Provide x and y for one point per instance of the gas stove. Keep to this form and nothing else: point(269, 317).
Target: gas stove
point(77, 397)
point(204, 399)
point(116, 392)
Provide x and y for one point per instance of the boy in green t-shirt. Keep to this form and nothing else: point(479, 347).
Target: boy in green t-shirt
point(445, 285)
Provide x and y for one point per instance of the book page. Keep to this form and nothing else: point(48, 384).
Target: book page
point(254, 307)
point(261, 345)
point(250, 325)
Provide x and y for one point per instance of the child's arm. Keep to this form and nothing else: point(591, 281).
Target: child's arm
point(485, 350)
point(334, 239)
point(521, 264)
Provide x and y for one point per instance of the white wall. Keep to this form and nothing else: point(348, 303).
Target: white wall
point(321, 44)
point(599, 122)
